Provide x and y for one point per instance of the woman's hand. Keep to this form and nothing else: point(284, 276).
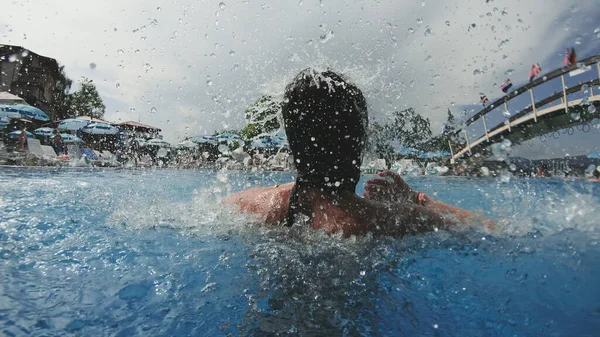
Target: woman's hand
point(389, 190)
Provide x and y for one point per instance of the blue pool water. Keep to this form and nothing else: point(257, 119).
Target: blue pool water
point(153, 253)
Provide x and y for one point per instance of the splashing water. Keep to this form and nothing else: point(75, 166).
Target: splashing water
point(155, 251)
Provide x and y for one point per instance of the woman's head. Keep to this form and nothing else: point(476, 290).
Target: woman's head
point(325, 119)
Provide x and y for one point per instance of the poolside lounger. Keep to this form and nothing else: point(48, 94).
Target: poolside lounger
point(48, 151)
point(73, 151)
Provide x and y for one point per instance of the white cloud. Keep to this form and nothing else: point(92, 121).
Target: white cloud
point(167, 64)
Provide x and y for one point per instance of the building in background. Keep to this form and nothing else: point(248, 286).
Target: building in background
point(28, 75)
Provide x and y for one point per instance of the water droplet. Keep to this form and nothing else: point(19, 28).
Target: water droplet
point(484, 171)
point(132, 109)
point(513, 167)
point(412, 31)
point(412, 83)
point(25, 53)
point(152, 110)
point(93, 66)
point(419, 20)
point(506, 113)
point(448, 23)
point(222, 6)
point(209, 83)
point(422, 3)
point(120, 51)
point(436, 76)
point(137, 51)
point(575, 116)
point(505, 176)
point(509, 71)
point(231, 53)
point(118, 85)
point(435, 326)
point(591, 108)
point(432, 85)
point(158, 8)
point(427, 32)
point(452, 103)
point(585, 89)
point(326, 37)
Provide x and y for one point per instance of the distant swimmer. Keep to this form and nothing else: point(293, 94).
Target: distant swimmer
point(325, 119)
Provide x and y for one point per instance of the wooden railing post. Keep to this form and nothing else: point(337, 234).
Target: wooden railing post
point(533, 105)
point(486, 129)
point(468, 145)
point(508, 119)
point(562, 79)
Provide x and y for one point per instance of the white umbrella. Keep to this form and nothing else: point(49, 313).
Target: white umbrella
point(188, 144)
point(71, 139)
point(100, 129)
point(43, 131)
point(157, 142)
point(72, 124)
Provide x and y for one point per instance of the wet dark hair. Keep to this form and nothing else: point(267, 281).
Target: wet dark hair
point(325, 119)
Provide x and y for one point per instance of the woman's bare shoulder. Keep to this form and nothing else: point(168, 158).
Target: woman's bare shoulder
point(270, 204)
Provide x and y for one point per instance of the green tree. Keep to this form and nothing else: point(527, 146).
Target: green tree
point(261, 117)
point(86, 101)
point(448, 138)
point(61, 96)
point(409, 129)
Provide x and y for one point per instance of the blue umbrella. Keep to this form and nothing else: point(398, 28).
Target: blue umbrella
point(100, 129)
point(409, 151)
point(6, 113)
point(204, 140)
point(27, 111)
point(71, 139)
point(43, 131)
point(594, 155)
point(17, 133)
point(263, 143)
point(437, 154)
point(72, 124)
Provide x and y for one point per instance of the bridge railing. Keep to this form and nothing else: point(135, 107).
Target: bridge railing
point(534, 106)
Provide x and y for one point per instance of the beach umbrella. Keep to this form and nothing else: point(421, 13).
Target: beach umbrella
point(71, 139)
point(4, 122)
point(157, 142)
point(6, 113)
point(27, 111)
point(436, 154)
point(188, 144)
point(204, 140)
point(594, 155)
point(72, 124)
point(17, 133)
point(43, 131)
point(100, 129)
point(409, 151)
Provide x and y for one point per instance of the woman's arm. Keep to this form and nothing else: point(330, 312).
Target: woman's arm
point(397, 190)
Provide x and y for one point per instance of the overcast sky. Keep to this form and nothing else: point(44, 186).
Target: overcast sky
point(192, 67)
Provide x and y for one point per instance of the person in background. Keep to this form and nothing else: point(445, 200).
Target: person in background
point(23, 140)
point(58, 143)
point(325, 119)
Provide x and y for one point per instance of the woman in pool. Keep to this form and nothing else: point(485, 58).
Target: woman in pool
point(325, 119)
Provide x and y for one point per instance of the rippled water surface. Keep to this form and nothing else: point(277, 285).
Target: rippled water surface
point(152, 253)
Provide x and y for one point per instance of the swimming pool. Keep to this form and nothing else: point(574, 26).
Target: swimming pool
point(152, 253)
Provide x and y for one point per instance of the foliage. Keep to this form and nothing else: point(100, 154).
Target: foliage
point(448, 138)
point(61, 96)
point(86, 101)
point(261, 117)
